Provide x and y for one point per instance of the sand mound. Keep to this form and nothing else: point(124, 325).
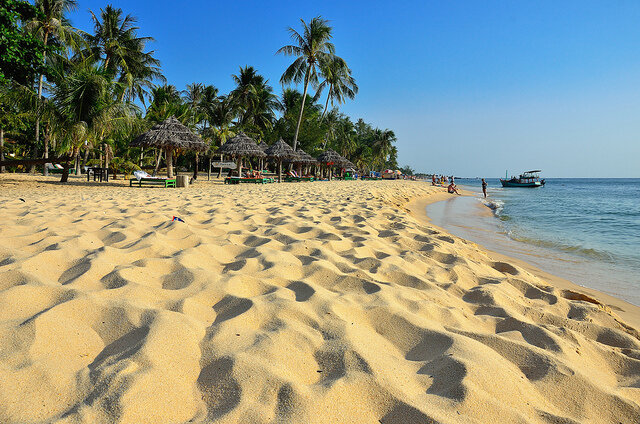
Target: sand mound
point(309, 302)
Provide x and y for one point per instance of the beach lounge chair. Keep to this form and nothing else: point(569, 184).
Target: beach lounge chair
point(56, 168)
point(292, 176)
point(240, 180)
point(143, 178)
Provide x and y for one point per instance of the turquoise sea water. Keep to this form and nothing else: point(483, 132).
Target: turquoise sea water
point(585, 230)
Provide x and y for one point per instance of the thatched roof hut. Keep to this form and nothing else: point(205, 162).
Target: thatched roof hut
point(280, 151)
point(330, 157)
point(264, 146)
point(348, 164)
point(304, 157)
point(170, 135)
point(241, 146)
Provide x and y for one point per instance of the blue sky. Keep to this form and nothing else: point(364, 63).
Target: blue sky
point(471, 88)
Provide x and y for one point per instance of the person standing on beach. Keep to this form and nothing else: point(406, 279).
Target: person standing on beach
point(484, 188)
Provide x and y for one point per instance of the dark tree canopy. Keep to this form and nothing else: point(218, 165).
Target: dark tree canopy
point(21, 52)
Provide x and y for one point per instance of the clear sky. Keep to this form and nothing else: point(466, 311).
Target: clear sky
point(471, 88)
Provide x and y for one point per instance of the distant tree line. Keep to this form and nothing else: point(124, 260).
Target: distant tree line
point(64, 91)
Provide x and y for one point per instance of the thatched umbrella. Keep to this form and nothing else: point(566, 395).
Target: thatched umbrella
point(303, 158)
point(348, 164)
point(281, 151)
point(264, 146)
point(240, 146)
point(330, 158)
point(169, 136)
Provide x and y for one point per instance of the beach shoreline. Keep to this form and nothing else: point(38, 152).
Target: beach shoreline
point(300, 302)
point(629, 312)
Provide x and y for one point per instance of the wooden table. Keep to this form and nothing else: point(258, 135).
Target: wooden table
point(98, 173)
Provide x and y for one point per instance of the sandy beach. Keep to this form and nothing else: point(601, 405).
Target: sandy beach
point(325, 302)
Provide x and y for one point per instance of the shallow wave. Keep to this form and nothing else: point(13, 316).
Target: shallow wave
point(573, 249)
point(497, 206)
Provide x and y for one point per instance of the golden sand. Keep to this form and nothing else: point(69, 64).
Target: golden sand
point(308, 303)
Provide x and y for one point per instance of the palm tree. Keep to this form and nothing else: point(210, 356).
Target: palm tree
point(193, 97)
point(338, 80)
point(254, 100)
point(312, 49)
point(51, 23)
point(207, 103)
point(166, 102)
point(140, 77)
point(383, 145)
point(244, 96)
point(86, 100)
point(290, 99)
point(332, 123)
point(115, 42)
point(262, 113)
point(220, 118)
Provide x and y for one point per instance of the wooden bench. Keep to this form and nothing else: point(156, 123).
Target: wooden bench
point(164, 182)
point(298, 179)
point(238, 180)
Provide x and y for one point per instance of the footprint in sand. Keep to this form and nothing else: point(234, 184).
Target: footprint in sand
point(505, 268)
point(303, 291)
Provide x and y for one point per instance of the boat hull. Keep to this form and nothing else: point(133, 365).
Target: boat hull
point(506, 183)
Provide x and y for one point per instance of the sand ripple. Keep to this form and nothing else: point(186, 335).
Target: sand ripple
point(319, 302)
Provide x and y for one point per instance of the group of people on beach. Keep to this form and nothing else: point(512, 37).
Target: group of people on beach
point(452, 188)
point(441, 179)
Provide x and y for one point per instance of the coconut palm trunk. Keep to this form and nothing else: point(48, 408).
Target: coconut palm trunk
point(158, 159)
point(86, 156)
point(108, 156)
point(195, 171)
point(326, 106)
point(65, 173)
point(304, 98)
point(40, 83)
point(47, 136)
point(169, 161)
point(2, 169)
point(220, 169)
point(76, 156)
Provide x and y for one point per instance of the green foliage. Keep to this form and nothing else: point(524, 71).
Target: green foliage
point(254, 102)
point(116, 45)
point(407, 170)
point(87, 109)
point(123, 165)
point(21, 52)
point(313, 51)
point(338, 81)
